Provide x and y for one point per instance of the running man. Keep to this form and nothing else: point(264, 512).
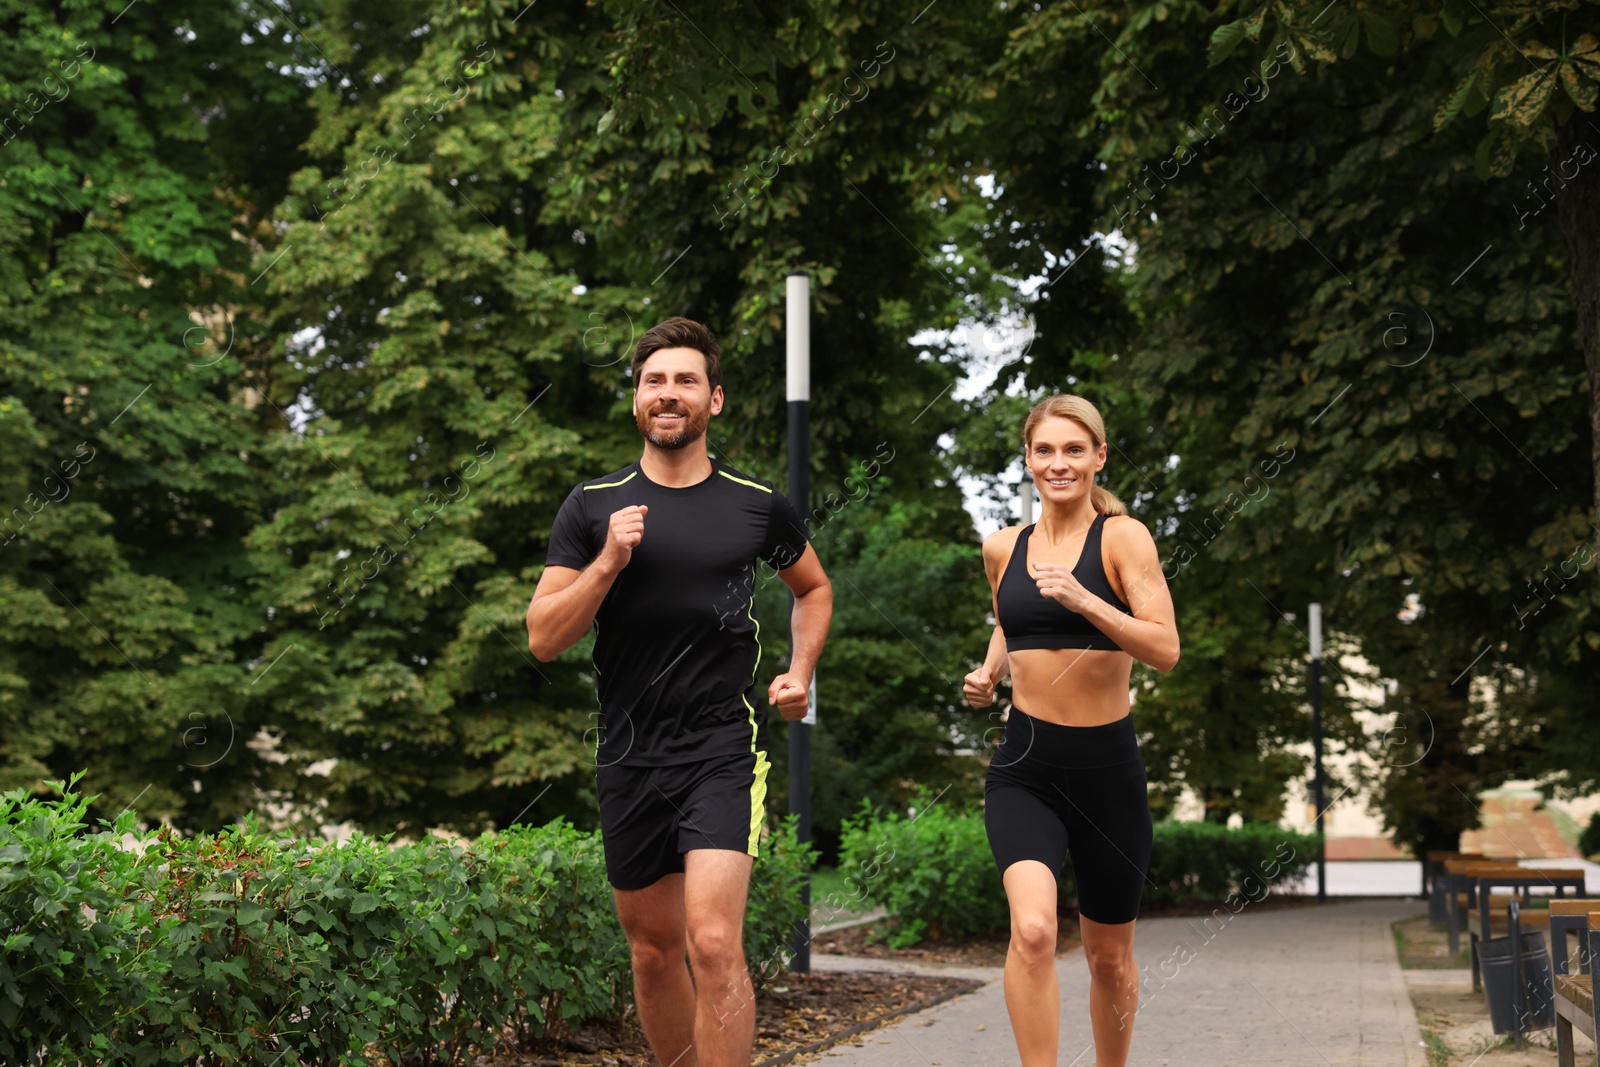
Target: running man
point(660, 557)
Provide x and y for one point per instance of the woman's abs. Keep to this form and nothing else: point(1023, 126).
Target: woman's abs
point(1077, 687)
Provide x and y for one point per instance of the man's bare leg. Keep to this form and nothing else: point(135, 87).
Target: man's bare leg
point(653, 919)
point(717, 882)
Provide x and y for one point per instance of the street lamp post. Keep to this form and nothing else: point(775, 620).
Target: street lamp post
point(1316, 747)
point(798, 339)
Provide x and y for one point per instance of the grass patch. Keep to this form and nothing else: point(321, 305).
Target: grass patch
point(834, 897)
point(1566, 825)
point(828, 885)
point(1438, 1054)
point(1401, 941)
point(1422, 947)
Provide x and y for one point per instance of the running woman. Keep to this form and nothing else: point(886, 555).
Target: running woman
point(660, 557)
point(1078, 596)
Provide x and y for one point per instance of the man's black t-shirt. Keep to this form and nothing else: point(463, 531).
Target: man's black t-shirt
point(676, 644)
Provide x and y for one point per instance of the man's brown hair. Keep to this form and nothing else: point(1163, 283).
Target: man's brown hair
point(679, 332)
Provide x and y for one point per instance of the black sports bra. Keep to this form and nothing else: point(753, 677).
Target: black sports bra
point(1033, 621)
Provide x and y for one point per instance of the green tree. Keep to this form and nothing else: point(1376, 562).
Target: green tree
point(413, 248)
point(517, 242)
point(1535, 69)
point(1295, 259)
point(892, 721)
point(132, 153)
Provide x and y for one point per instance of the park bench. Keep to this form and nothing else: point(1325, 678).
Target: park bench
point(1460, 880)
point(1485, 919)
point(1574, 993)
point(1521, 996)
point(1481, 922)
point(1568, 919)
point(1433, 862)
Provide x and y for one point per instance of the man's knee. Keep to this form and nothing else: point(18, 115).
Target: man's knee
point(655, 952)
point(715, 946)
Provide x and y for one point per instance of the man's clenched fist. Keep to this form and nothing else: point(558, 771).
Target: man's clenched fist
point(623, 535)
point(791, 695)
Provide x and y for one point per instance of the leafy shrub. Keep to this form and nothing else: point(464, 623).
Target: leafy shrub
point(69, 931)
point(580, 956)
point(1203, 863)
point(774, 905)
point(932, 871)
point(234, 970)
point(250, 947)
point(935, 875)
point(1589, 838)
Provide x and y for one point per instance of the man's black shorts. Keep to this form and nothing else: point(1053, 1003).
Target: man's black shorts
point(651, 816)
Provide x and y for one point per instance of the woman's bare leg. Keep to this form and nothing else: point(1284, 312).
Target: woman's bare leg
point(1113, 988)
point(1033, 997)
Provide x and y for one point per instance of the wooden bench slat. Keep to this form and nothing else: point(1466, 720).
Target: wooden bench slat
point(1528, 920)
point(1568, 906)
point(1578, 988)
point(1466, 866)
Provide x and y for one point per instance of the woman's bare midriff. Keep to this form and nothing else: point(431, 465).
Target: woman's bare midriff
point(1071, 686)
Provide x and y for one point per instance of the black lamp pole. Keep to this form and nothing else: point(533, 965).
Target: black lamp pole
point(1316, 746)
point(798, 337)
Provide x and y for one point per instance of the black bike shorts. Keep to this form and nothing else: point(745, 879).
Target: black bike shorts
point(1054, 791)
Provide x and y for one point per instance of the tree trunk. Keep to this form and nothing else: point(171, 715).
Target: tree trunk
point(1578, 203)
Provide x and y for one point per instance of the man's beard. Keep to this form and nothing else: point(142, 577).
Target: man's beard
point(692, 430)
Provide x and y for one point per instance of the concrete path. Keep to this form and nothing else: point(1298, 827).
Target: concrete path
point(1303, 986)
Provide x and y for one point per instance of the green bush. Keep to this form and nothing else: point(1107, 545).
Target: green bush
point(423, 952)
point(774, 905)
point(934, 873)
point(69, 960)
point(1203, 863)
point(235, 969)
point(581, 956)
point(250, 947)
point(1589, 838)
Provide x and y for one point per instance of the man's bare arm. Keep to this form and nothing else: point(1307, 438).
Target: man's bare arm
point(812, 614)
point(563, 608)
point(565, 601)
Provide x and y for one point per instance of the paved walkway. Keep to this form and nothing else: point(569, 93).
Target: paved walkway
point(1313, 986)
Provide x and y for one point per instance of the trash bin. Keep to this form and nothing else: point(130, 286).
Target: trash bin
point(1499, 983)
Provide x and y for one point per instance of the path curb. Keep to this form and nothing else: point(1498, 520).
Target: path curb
point(1411, 1044)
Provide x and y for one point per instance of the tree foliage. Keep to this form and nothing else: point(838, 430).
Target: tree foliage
point(313, 312)
point(1302, 276)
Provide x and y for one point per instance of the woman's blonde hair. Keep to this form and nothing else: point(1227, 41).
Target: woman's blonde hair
point(1079, 410)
